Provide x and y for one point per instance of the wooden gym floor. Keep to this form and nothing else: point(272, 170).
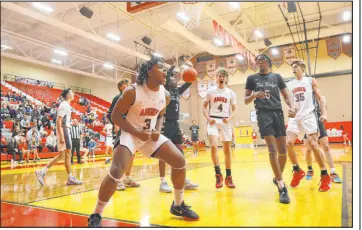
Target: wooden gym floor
point(254, 202)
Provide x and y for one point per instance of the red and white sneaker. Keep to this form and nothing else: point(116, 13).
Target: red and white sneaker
point(297, 177)
point(229, 182)
point(219, 181)
point(325, 183)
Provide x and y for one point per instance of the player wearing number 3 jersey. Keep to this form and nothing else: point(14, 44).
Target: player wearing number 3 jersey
point(222, 108)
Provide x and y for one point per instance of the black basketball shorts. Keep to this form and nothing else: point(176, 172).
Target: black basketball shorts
point(171, 130)
point(271, 123)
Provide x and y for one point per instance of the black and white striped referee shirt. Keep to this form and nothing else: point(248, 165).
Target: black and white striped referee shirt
point(75, 132)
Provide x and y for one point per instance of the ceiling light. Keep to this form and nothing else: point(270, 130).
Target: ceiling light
point(239, 57)
point(235, 5)
point(113, 37)
point(61, 52)
point(183, 16)
point(258, 33)
point(108, 66)
point(274, 51)
point(157, 55)
point(5, 47)
point(347, 15)
point(218, 42)
point(346, 39)
point(57, 61)
point(42, 6)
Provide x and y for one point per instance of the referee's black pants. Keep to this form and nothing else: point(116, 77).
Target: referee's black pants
point(76, 146)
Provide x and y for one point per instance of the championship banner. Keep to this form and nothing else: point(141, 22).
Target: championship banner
point(202, 88)
point(347, 48)
point(253, 66)
point(289, 54)
point(211, 84)
point(201, 69)
point(210, 68)
point(231, 65)
point(221, 63)
point(334, 47)
point(187, 93)
point(242, 65)
point(276, 56)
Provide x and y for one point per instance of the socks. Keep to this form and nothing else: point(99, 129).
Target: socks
point(310, 168)
point(217, 169)
point(296, 168)
point(179, 196)
point(228, 172)
point(100, 206)
point(163, 179)
point(44, 170)
point(281, 184)
point(70, 175)
point(333, 170)
point(324, 172)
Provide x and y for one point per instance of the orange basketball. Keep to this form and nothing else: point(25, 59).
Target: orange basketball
point(189, 74)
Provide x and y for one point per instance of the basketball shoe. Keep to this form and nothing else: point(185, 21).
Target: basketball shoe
point(325, 183)
point(297, 177)
point(184, 211)
point(219, 181)
point(94, 221)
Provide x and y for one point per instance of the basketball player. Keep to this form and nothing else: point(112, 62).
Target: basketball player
point(323, 141)
point(194, 136)
point(64, 143)
point(264, 89)
point(171, 127)
point(222, 103)
point(109, 140)
point(301, 89)
point(138, 113)
point(129, 181)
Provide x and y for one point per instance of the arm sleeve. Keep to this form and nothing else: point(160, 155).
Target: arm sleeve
point(250, 84)
point(110, 110)
point(184, 87)
point(281, 82)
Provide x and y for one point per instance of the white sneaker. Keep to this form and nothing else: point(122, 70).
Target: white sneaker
point(165, 188)
point(120, 186)
point(131, 183)
point(40, 176)
point(190, 186)
point(73, 181)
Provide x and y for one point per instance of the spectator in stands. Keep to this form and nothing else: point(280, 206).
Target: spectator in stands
point(84, 118)
point(8, 96)
point(53, 112)
point(25, 124)
point(3, 143)
point(104, 118)
point(41, 130)
point(29, 137)
point(23, 147)
point(35, 114)
point(51, 142)
point(86, 102)
point(4, 111)
point(45, 121)
point(83, 147)
point(13, 149)
point(34, 143)
point(12, 112)
point(97, 123)
point(89, 109)
point(92, 145)
point(16, 126)
point(15, 97)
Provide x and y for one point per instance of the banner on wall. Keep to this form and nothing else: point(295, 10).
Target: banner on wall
point(202, 88)
point(347, 48)
point(242, 65)
point(221, 63)
point(276, 56)
point(289, 54)
point(231, 65)
point(210, 68)
point(334, 47)
point(187, 93)
point(211, 84)
point(201, 69)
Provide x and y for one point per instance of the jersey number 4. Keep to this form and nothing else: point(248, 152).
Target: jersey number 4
point(220, 108)
point(299, 97)
point(148, 124)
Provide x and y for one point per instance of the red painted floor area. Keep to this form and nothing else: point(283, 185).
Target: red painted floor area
point(13, 215)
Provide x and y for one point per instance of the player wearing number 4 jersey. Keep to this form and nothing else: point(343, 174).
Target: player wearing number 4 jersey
point(222, 108)
point(301, 89)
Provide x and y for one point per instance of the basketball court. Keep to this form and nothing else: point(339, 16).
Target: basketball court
point(89, 47)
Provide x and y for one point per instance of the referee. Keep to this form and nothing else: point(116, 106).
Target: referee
point(75, 132)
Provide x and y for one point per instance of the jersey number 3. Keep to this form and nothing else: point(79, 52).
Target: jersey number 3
point(148, 124)
point(299, 97)
point(220, 108)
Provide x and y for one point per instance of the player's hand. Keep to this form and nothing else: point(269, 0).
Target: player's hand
point(225, 120)
point(292, 112)
point(155, 135)
point(144, 135)
point(323, 118)
point(259, 94)
point(212, 121)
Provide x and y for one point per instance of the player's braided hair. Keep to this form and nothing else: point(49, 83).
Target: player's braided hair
point(143, 70)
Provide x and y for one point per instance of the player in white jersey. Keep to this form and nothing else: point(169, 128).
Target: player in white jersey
point(64, 143)
point(221, 101)
point(108, 141)
point(138, 113)
point(305, 122)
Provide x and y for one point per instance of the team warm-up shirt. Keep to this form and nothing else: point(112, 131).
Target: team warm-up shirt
point(148, 104)
point(173, 108)
point(64, 111)
point(301, 92)
point(270, 84)
point(194, 130)
point(220, 101)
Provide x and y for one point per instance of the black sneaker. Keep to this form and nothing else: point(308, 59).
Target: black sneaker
point(94, 221)
point(184, 211)
point(283, 196)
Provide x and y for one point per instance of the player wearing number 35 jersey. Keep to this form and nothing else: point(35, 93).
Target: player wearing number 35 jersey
point(222, 107)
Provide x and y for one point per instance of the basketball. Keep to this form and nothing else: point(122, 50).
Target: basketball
point(189, 74)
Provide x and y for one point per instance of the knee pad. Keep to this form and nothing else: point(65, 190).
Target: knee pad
point(116, 180)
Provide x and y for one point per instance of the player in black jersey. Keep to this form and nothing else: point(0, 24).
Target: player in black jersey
point(128, 182)
point(194, 136)
point(264, 89)
point(171, 127)
point(323, 141)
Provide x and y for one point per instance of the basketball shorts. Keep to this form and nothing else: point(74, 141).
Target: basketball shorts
point(171, 130)
point(308, 125)
point(194, 138)
point(109, 141)
point(271, 123)
point(67, 140)
point(220, 129)
point(147, 148)
point(321, 129)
